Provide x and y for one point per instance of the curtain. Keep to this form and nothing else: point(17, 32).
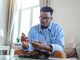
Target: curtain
point(10, 21)
point(45, 3)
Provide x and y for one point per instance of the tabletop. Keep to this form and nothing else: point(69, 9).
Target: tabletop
point(8, 57)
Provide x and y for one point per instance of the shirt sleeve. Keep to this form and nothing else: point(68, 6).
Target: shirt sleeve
point(29, 48)
point(59, 40)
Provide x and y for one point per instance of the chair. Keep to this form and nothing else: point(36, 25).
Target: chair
point(4, 49)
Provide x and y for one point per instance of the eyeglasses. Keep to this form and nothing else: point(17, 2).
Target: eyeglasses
point(44, 18)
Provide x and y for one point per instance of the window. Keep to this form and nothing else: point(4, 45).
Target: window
point(27, 16)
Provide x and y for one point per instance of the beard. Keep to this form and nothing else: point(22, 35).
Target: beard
point(44, 27)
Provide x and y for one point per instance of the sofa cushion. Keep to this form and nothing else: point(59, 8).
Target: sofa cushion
point(70, 48)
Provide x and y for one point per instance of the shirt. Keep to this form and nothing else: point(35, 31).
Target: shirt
point(53, 36)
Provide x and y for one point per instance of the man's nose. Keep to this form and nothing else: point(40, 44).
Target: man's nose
point(43, 20)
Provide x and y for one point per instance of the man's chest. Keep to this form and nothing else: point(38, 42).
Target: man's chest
point(45, 37)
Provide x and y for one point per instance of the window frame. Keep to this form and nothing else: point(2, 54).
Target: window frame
point(19, 21)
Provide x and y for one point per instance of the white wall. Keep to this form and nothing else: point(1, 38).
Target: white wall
point(67, 13)
point(3, 18)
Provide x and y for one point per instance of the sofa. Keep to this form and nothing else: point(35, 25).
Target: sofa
point(70, 48)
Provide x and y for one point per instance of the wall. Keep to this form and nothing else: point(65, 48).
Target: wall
point(67, 13)
point(3, 18)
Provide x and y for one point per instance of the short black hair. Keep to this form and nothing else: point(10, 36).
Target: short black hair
point(47, 9)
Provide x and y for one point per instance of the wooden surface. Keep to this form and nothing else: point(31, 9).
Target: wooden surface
point(21, 52)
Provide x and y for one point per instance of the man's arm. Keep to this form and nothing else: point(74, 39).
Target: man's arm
point(37, 44)
point(58, 44)
point(25, 43)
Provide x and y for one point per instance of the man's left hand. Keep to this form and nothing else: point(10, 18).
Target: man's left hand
point(37, 44)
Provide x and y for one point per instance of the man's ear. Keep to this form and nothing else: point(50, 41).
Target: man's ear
point(51, 18)
point(39, 16)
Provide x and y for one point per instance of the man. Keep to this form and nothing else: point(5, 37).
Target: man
point(46, 37)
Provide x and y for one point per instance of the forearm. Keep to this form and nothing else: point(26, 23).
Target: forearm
point(47, 48)
point(57, 47)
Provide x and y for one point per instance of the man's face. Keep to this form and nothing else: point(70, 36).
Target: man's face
point(45, 19)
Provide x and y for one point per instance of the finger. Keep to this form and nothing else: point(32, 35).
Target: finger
point(26, 37)
point(33, 41)
point(39, 42)
point(23, 34)
point(34, 45)
point(23, 38)
point(24, 43)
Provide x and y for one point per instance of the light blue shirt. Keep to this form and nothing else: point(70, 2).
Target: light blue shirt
point(53, 35)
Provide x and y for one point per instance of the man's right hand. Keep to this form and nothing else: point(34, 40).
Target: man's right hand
point(25, 41)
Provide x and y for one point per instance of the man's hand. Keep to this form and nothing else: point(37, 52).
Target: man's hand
point(37, 44)
point(25, 41)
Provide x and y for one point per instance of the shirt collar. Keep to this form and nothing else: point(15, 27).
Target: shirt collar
point(49, 28)
point(40, 29)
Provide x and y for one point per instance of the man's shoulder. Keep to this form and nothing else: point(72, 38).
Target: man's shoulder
point(56, 25)
point(35, 27)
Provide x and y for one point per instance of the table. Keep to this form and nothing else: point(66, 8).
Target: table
point(8, 57)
